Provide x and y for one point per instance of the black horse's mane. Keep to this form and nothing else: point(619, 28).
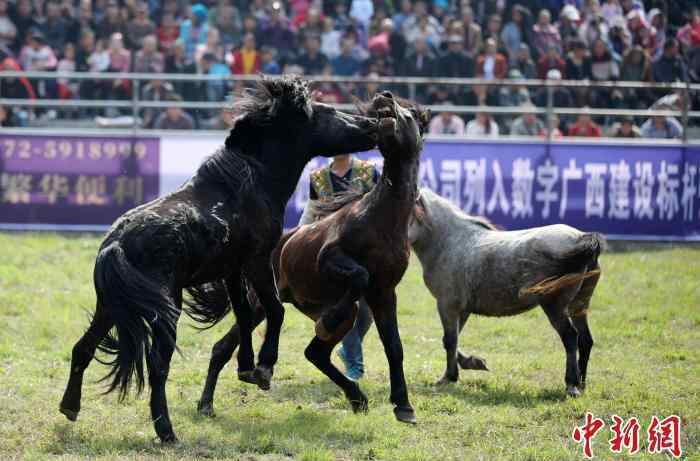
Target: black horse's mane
point(268, 101)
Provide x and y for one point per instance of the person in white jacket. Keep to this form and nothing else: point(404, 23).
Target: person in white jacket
point(482, 126)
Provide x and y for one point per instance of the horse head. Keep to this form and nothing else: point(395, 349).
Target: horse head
point(401, 125)
point(280, 113)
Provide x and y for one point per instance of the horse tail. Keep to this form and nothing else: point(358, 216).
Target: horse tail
point(141, 310)
point(578, 264)
point(208, 303)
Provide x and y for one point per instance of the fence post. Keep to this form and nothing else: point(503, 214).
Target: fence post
point(135, 90)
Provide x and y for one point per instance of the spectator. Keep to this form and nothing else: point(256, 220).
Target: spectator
point(155, 90)
point(312, 60)
point(527, 124)
point(397, 42)
point(549, 61)
point(14, 87)
point(55, 28)
point(174, 118)
point(24, 21)
point(604, 68)
point(8, 31)
point(194, 31)
point(619, 37)
point(670, 66)
point(514, 96)
point(585, 127)
point(176, 63)
point(269, 64)
point(404, 13)
point(610, 10)
point(119, 61)
point(37, 55)
point(7, 117)
point(446, 123)
point(482, 126)
point(694, 57)
point(149, 59)
point(662, 127)
point(578, 62)
point(422, 24)
point(311, 25)
point(213, 45)
point(556, 132)
point(278, 33)
point(139, 27)
point(456, 62)
point(658, 27)
point(545, 34)
point(168, 32)
point(330, 39)
point(569, 25)
point(226, 18)
point(523, 62)
point(472, 31)
point(346, 64)
point(362, 11)
point(246, 60)
point(112, 22)
point(491, 64)
point(684, 35)
point(635, 68)
point(66, 89)
point(592, 30)
point(493, 31)
point(625, 128)
point(516, 31)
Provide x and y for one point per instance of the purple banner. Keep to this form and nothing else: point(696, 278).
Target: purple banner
point(623, 190)
point(75, 180)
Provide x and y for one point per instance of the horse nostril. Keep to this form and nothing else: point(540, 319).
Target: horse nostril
point(387, 94)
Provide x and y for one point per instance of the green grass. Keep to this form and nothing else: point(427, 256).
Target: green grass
point(645, 319)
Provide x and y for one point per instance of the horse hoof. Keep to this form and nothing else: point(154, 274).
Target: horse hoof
point(206, 409)
point(359, 404)
point(444, 381)
point(72, 415)
point(573, 391)
point(473, 363)
point(405, 415)
point(168, 439)
point(247, 376)
point(263, 377)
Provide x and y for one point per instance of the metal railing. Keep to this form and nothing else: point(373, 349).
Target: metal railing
point(135, 104)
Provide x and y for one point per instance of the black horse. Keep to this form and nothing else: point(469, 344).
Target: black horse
point(222, 224)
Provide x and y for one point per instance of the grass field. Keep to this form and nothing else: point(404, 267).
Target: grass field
point(645, 320)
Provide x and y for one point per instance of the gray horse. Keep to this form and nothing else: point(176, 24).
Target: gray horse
point(471, 267)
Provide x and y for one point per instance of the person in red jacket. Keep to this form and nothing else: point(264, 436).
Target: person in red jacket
point(585, 127)
point(247, 59)
point(491, 64)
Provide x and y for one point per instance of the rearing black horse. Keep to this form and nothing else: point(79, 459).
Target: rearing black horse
point(221, 224)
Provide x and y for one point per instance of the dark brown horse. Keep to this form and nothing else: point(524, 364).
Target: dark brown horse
point(360, 250)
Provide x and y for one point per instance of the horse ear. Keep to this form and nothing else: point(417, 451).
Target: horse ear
point(424, 117)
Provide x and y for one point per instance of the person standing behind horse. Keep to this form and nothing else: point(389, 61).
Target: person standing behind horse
point(343, 173)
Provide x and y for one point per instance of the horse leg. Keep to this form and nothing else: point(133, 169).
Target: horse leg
point(562, 323)
point(342, 268)
point(585, 344)
point(383, 307)
point(262, 281)
point(83, 352)
point(221, 353)
point(158, 362)
point(319, 351)
point(449, 316)
point(469, 362)
point(244, 320)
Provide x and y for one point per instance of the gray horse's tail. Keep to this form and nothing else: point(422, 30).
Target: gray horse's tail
point(578, 264)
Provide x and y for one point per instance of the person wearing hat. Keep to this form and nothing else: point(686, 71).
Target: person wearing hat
point(625, 128)
point(194, 31)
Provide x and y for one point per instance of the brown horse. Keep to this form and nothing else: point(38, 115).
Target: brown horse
point(361, 249)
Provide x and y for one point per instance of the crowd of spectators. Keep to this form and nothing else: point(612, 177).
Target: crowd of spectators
point(593, 40)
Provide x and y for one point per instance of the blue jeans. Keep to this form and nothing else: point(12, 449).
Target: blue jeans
point(352, 343)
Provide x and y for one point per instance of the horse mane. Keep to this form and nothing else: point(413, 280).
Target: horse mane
point(482, 222)
point(269, 101)
point(479, 221)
